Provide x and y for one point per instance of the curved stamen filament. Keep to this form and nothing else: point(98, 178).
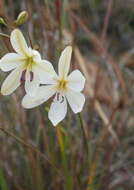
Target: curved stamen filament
point(59, 98)
point(23, 76)
point(62, 99)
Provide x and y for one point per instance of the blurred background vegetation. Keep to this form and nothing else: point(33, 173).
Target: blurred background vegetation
point(90, 152)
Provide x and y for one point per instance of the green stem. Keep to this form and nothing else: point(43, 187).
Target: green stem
point(83, 133)
point(4, 35)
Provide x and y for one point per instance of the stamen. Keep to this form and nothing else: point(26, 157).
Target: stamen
point(31, 76)
point(22, 79)
point(58, 96)
point(62, 84)
point(62, 99)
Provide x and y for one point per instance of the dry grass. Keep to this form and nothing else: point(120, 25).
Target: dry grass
point(35, 155)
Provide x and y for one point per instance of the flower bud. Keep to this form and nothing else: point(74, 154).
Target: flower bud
point(22, 18)
point(2, 21)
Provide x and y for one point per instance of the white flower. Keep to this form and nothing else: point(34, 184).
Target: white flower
point(27, 64)
point(64, 87)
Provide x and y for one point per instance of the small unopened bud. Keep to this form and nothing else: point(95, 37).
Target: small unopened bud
point(22, 18)
point(2, 21)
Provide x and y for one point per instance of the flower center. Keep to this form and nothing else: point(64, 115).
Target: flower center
point(62, 84)
point(30, 62)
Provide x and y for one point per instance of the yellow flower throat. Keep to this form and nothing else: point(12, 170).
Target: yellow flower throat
point(29, 62)
point(62, 84)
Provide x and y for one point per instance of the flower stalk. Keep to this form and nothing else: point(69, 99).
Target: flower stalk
point(27, 145)
point(83, 133)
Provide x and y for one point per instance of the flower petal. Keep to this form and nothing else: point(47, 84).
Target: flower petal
point(32, 83)
point(76, 100)
point(12, 81)
point(64, 62)
point(43, 94)
point(76, 81)
point(45, 71)
point(11, 61)
point(58, 110)
point(18, 42)
point(36, 55)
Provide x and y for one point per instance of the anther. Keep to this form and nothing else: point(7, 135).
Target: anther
point(31, 75)
point(62, 99)
point(58, 96)
point(22, 79)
